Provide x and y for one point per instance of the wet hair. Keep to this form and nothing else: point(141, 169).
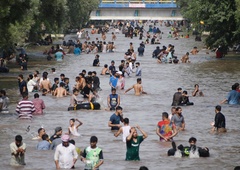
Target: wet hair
point(39, 130)
point(20, 75)
point(165, 114)
point(93, 139)
point(234, 87)
point(139, 79)
point(24, 94)
point(36, 95)
point(97, 56)
point(18, 138)
point(30, 76)
point(177, 108)
point(187, 53)
point(143, 168)
point(72, 141)
point(53, 69)
point(138, 63)
point(173, 107)
point(105, 65)
point(37, 72)
point(72, 119)
point(126, 120)
point(185, 92)
point(94, 72)
point(44, 91)
point(75, 90)
point(192, 139)
point(118, 108)
point(62, 75)
point(56, 79)
point(3, 92)
point(218, 108)
point(65, 79)
point(196, 85)
point(89, 73)
point(62, 84)
point(84, 71)
point(44, 137)
point(113, 89)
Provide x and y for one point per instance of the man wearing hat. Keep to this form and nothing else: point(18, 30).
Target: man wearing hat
point(56, 138)
point(65, 155)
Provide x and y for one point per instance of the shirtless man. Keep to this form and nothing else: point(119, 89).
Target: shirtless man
point(60, 91)
point(137, 88)
point(185, 58)
point(194, 51)
point(45, 84)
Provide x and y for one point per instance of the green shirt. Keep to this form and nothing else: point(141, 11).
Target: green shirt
point(133, 149)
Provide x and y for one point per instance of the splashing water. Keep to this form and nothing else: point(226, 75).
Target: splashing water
point(178, 154)
point(194, 153)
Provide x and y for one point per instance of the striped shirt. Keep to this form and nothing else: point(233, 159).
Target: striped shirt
point(25, 108)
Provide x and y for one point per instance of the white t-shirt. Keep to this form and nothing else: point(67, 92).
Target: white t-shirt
point(65, 155)
point(126, 132)
point(30, 85)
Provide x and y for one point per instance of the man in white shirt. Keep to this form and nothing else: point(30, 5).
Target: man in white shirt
point(65, 155)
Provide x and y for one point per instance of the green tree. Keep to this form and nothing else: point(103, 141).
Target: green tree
point(53, 15)
point(16, 19)
point(216, 16)
point(79, 12)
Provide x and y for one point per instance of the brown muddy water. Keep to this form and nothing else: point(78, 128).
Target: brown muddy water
point(215, 78)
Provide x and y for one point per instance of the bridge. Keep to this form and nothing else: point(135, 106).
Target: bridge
point(137, 10)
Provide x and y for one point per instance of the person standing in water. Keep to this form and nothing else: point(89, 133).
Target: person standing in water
point(18, 149)
point(138, 88)
point(219, 125)
point(133, 142)
point(92, 155)
point(73, 129)
point(125, 130)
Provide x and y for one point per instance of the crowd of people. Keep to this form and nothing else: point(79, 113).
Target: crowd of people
point(87, 84)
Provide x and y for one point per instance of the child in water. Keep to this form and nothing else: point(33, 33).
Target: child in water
point(73, 129)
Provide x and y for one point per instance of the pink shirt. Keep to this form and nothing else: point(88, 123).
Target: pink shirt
point(39, 106)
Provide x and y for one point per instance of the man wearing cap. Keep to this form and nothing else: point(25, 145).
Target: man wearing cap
point(112, 68)
point(65, 155)
point(56, 138)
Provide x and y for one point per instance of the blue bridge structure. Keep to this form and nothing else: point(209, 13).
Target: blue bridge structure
point(137, 10)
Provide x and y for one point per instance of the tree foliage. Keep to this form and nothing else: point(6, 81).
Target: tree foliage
point(219, 17)
point(16, 19)
point(21, 18)
point(79, 11)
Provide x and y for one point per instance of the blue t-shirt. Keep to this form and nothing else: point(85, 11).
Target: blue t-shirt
point(233, 97)
point(113, 81)
point(77, 51)
point(59, 55)
point(43, 145)
point(115, 120)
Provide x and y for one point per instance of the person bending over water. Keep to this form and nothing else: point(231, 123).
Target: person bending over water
point(138, 89)
point(188, 150)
